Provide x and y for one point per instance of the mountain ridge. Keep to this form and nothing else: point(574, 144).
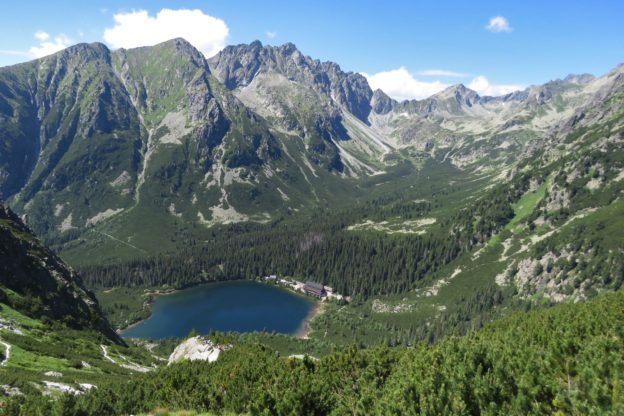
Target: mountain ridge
point(98, 145)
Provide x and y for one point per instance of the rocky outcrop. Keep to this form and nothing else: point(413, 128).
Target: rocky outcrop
point(381, 103)
point(197, 348)
point(579, 78)
point(237, 66)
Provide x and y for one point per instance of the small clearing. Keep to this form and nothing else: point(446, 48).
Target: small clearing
point(104, 215)
point(172, 211)
point(66, 225)
point(224, 213)
point(380, 307)
point(121, 180)
point(435, 288)
point(399, 227)
point(52, 386)
point(58, 209)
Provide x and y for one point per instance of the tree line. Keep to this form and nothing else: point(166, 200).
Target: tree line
point(323, 249)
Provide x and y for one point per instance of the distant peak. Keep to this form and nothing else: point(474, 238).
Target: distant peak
point(183, 47)
point(178, 43)
point(619, 68)
point(288, 47)
point(379, 93)
point(181, 42)
point(457, 91)
point(381, 103)
point(461, 88)
point(82, 51)
point(579, 78)
point(80, 47)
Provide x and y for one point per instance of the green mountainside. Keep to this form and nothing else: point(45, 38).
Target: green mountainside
point(154, 168)
point(53, 336)
point(565, 360)
point(36, 283)
point(123, 154)
point(434, 215)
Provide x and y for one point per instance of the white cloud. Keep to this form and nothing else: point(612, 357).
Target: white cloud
point(271, 35)
point(42, 36)
point(138, 28)
point(498, 24)
point(401, 85)
point(481, 85)
point(47, 45)
point(441, 73)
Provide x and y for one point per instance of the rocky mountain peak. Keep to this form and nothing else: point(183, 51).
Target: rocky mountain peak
point(183, 47)
point(288, 48)
point(237, 66)
point(381, 103)
point(460, 93)
point(87, 50)
point(579, 78)
point(178, 46)
point(77, 56)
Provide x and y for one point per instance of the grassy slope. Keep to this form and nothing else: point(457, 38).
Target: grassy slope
point(564, 360)
point(41, 347)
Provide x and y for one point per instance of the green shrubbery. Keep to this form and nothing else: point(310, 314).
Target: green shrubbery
point(564, 360)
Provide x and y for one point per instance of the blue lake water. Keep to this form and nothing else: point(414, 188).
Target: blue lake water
point(242, 306)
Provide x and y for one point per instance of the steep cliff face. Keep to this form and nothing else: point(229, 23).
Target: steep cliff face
point(110, 152)
point(237, 66)
point(37, 283)
point(73, 128)
point(88, 136)
point(316, 101)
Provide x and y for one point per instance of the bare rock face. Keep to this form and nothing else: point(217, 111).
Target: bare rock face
point(381, 103)
point(580, 78)
point(197, 348)
point(237, 66)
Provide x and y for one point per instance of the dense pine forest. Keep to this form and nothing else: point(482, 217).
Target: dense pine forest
point(360, 264)
point(564, 360)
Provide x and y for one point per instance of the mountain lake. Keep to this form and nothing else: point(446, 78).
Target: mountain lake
point(242, 306)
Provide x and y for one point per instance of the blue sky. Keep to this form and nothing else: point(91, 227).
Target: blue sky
point(401, 45)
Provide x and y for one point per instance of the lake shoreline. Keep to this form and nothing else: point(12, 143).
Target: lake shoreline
point(302, 332)
point(153, 296)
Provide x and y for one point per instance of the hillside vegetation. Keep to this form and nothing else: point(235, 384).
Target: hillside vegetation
point(564, 360)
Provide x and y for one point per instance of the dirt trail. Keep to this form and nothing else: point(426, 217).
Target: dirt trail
point(7, 353)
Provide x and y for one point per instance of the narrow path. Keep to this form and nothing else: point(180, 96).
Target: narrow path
point(105, 354)
point(131, 366)
point(120, 241)
point(7, 352)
